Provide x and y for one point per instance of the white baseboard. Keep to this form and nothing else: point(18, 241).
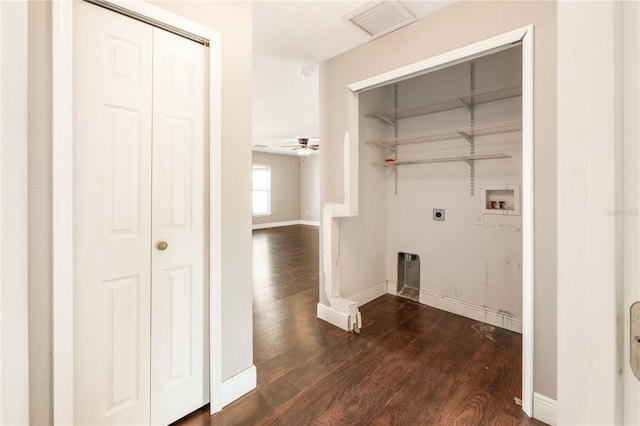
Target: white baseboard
point(287, 223)
point(309, 223)
point(332, 316)
point(545, 409)
point(476, 312)
point(392, 288)
point(371, 294)
point(274, 224)
point(238, 385)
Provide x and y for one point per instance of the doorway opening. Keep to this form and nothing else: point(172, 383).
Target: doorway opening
point(392, 162)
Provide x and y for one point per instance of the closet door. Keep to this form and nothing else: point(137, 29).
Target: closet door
point(179, 354)
point(112, 216)
point(140, 173)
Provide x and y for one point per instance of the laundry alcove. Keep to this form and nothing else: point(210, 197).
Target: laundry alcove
point(440, 142)
point(375, 223)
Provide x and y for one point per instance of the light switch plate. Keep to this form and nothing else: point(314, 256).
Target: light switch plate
point(438, 214)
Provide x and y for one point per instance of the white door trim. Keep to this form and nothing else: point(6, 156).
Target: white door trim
point(524, 34)
point(62, 187)
point(631, 134)
point(14, 331)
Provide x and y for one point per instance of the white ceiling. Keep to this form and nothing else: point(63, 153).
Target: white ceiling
point(289, 36)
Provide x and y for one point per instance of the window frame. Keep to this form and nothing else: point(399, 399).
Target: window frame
point(267, 168)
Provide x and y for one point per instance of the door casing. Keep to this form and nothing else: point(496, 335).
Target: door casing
point(62, 196)
point(630, 12)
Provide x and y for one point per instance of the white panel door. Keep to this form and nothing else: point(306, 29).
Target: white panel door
point(112, 220)
point(179, 354)
point(140, 173)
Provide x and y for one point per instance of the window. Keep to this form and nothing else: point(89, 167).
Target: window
point(261, 190)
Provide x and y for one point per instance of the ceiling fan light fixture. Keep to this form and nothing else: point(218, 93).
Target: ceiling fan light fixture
point(380, 17)
point(304, 151)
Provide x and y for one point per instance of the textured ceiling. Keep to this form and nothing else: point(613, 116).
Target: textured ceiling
point(289, 36)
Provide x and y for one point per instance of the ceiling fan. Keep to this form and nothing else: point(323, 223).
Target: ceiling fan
point(303, 147)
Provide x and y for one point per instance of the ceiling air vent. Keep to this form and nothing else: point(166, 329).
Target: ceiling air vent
point(380, 17)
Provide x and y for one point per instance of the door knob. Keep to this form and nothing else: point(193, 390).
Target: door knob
point(162, 245)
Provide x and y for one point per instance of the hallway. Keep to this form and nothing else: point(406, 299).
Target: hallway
point(411, 364)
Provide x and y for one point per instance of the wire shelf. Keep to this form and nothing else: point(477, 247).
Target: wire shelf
point(466, 158)
point(449, 134)
point(492, 94)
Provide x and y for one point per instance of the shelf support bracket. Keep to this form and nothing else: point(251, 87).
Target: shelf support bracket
point(469, 162)
point(384, 118)
point(383, 146)
point(392, 147)
point(467, 105)
point(467, 136)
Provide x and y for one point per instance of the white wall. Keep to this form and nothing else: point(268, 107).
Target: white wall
point(367, 232)
point(285, 187)
point(40, 314)
point(295, 188)
point(477, 262)
point(455, 26)
point(14, 351)
point(310, 188)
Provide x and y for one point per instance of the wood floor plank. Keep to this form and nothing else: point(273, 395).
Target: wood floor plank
point(308, 407)
point(316, 369)
point(411, 364)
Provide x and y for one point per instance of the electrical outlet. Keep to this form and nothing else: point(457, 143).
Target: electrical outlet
point(438, 214)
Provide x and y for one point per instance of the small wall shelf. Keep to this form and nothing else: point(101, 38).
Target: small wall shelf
point(492, 94)
point(467, 133)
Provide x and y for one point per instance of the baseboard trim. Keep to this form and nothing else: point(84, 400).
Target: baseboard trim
point(238, 385)
point(309, 223)
point(286, 223)
point(371, 294)
point(476, 312)
point(545, 409)
point(392, 288)
point(332, 316)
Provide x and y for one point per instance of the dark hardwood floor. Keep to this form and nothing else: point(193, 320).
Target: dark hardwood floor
point(411, 364)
